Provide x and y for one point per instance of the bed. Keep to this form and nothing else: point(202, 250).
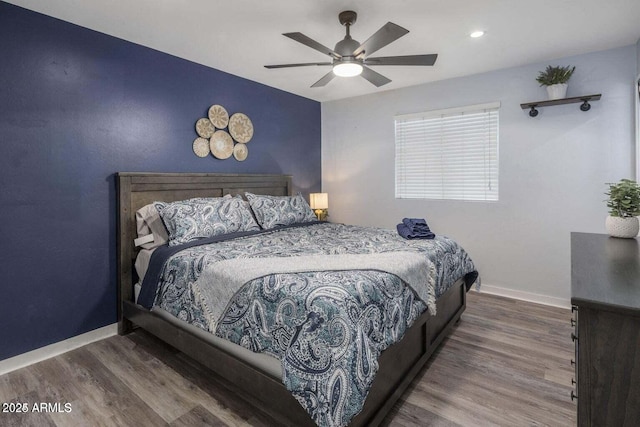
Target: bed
point(397, 365)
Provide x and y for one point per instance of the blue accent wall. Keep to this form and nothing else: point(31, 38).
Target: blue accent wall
point(76, 106)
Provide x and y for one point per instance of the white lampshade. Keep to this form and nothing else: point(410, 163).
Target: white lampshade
point(347, 69)
point(319, 200)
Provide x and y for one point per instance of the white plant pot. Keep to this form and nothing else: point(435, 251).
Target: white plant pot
point(622, 227)
point(557, 91)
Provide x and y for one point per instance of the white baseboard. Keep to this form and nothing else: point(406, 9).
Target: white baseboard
point(525, 296)
point(43, 353)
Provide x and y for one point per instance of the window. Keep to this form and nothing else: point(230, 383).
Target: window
point(448, 154)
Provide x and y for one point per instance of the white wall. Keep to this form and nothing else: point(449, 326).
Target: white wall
point(638, 55)
point(553, 168)
point(637, 116)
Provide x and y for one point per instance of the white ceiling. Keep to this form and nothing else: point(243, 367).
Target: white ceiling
point(241, 36)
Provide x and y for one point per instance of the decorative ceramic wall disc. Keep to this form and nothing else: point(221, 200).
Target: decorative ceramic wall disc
point(241, 128)
point(221, 144)
point(205, 128)
point(218, 116)
point(240, 152)
point(201, 147)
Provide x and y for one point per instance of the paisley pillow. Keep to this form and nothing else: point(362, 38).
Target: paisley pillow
point(277, 211)
point(193, 219)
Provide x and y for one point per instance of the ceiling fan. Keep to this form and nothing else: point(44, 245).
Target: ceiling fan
point(351, 58)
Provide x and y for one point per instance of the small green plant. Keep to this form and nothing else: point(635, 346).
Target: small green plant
point(624, 198)
point(555, 75)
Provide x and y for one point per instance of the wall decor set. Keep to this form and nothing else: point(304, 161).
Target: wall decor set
point(214, 139)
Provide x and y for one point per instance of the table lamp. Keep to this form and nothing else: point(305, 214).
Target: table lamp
point(319, 204)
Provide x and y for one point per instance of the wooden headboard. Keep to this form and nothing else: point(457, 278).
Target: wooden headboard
point(137, 189)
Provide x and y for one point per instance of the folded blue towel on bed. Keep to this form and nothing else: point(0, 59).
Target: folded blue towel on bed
point(407, 233)
point(415, 233)
point(415, 224)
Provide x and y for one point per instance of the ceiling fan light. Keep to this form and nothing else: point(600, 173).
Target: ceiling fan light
point(347, 69)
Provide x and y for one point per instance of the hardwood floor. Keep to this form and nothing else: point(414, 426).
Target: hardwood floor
point(506, 364)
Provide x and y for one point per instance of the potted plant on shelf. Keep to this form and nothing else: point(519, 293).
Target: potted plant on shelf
point(624, 207)
point(555, 79)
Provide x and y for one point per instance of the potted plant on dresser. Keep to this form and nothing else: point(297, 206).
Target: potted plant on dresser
point(624, 208)
point(555, 79)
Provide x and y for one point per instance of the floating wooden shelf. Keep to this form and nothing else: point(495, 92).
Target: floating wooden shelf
point(584, 99)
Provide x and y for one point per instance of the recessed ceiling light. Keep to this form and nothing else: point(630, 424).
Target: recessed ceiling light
point(477, 34)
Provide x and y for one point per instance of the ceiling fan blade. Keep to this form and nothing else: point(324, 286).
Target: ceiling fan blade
point(297, 65)
point(324, 80)
point(376, 78)
point(403, 60)
point(301, 38)
point(389, 32)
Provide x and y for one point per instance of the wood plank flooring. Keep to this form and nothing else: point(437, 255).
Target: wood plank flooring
point(506, 364)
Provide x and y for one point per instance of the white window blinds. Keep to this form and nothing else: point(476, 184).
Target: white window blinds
point(448, 154)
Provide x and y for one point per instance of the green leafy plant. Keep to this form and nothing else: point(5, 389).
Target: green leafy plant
point(555, 75)
point(624, 198)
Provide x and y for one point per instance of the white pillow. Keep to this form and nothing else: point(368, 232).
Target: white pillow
point(148, 222)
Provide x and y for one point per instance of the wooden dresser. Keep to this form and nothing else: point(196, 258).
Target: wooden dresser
point(605, 295)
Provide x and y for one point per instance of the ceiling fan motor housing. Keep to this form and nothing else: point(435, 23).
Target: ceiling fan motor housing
point(346, 46)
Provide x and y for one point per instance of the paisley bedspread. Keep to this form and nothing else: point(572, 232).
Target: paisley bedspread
point(328, 328)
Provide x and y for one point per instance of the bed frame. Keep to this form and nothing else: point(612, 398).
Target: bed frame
point(398, 365)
